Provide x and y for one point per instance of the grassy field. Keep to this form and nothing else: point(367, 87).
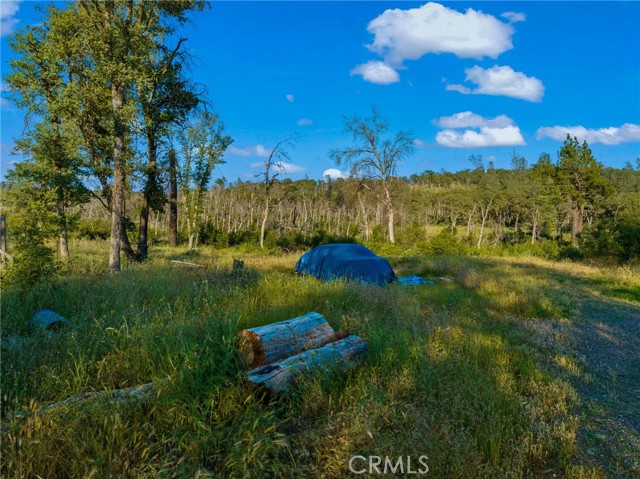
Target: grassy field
point(482, 374)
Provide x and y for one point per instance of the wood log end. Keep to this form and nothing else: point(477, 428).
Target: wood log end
point(251, 349)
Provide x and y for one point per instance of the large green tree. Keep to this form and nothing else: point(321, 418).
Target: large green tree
point(52, 165)
point(581, 181)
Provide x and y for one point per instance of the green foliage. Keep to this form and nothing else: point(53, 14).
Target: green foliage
point(92, 229)
point(33, 261)
point(447, 243)
point(202, 146)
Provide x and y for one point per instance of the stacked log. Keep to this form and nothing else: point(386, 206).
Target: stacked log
point(281, 352)
point(270, 343)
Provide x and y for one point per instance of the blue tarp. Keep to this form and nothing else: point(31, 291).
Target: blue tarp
point(352, 262)
point(414, 280)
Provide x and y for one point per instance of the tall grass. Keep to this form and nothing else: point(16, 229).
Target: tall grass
point(472, 373)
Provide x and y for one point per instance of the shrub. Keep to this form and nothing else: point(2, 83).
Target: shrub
point(446, 242)
point(92, 229)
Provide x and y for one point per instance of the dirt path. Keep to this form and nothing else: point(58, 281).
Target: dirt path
point(607, 334)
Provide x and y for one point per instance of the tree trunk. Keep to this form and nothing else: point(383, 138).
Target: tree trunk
point(392, 237)
point(117, 193)
point(270, 343)
point(3, 237)
point(173, 199)
point(277, 377)
point(264, 223)
point(62, 224)
point(577, 215)
point(535, 225)
point(485, 214)
point(149, 189)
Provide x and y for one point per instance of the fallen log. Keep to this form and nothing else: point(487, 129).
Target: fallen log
point(277, 377)
point(117, 396)
point(186, 263)
point(270, 343)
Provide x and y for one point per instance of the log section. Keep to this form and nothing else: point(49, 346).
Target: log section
point(279, 376)
point(270, 343)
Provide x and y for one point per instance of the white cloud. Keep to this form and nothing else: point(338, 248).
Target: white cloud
point(8, 9)
point(304, 122)
point(628, 132)
point(376, 72)
point(502, 81)
point(487, 136)
point(418, 143)
point(459, 88)
point(514, 17)
point(433, 28)
point(257, 150)
point(334, 173)
point(282, 166)
point(4, 103)
point(290, 98)
point(468, 119)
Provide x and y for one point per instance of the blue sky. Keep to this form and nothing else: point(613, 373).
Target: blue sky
point(465, 77)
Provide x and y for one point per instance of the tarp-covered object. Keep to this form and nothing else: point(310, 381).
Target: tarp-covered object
point(352, 262)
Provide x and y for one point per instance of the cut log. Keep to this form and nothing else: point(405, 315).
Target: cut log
point(270, 343)
point(277, 377)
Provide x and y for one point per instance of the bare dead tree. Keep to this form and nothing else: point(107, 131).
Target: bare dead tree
point(374, 156)
point(276, 161)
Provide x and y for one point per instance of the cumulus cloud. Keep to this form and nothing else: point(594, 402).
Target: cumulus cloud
point(487, 136)
point(514, 17)
point(468, 119)
point(304, 122)
point(433, 28)
point(628, 132)
point(290, 98)
point(8, 10)
point(418, 143)
point(498, 131)
point(501, 81)
point(376, 72)
point(282, 166)
point(333, 173)
point(257, 150)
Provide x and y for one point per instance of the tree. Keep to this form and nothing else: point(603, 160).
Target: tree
point(275, 161)
point(374, 156)
point(52, 166)
point(117, 38)
point(202, 146)
point(581, 180)
point(165, 97)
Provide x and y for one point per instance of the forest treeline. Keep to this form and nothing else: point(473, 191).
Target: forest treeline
point(122, 144)
point(527, 209)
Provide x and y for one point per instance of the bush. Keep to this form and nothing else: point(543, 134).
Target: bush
point(446, 242)
point(33, 261)
point(92, 229)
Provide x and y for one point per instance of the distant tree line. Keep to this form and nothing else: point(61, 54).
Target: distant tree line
point(573, 206)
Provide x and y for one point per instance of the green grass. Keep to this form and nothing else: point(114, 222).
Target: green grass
point(472, 373)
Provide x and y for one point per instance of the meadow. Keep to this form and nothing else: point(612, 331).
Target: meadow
point(489, 374)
